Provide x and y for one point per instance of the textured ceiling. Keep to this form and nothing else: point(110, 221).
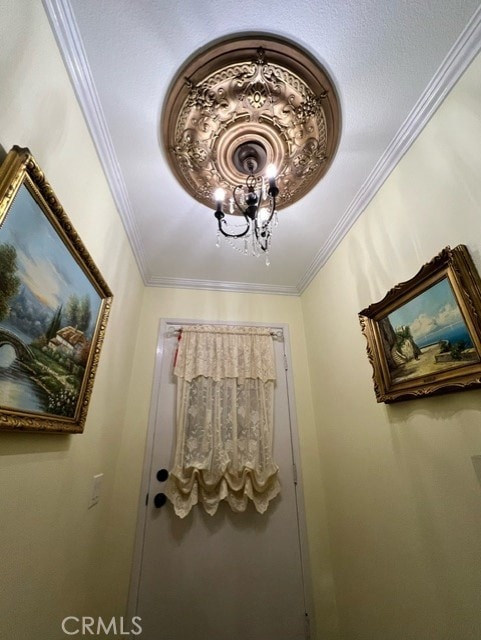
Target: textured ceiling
point(392, 62)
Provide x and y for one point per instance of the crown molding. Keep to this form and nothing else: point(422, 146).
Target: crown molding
point(454, 65)
point(234, 287)
point(68, 38)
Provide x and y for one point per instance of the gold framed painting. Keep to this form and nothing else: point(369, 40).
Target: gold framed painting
point(54, 306)
point(424, 336)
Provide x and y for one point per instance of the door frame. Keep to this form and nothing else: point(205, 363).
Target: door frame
point(164, 324)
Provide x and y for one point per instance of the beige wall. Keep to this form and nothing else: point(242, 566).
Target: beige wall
point(57, 557)
point(403, 502)
point(210, 305)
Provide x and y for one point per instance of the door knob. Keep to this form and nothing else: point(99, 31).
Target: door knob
point(159, 500)
point(162, 475)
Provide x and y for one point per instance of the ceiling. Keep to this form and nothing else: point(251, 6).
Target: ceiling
point(392, 62)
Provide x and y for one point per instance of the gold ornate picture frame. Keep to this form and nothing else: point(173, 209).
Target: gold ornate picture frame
point(424, 336)
point(54, 306)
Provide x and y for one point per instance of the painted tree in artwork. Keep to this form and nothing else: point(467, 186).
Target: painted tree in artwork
point(55, 324)
point(72, 311)
point(9, 281)
point(78, 313)
point(85, 314)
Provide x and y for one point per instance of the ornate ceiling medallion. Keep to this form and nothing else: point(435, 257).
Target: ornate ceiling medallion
point(251, 94)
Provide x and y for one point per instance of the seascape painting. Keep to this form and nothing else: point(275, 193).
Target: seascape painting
point(424, 337)
point(427, 335)
point(48, 314)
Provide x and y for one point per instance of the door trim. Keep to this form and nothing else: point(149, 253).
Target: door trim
point(147, 465)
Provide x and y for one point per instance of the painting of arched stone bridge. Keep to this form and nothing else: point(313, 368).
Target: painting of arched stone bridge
point(53, 309)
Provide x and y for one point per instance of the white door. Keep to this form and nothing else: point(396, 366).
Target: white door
point(231, 576)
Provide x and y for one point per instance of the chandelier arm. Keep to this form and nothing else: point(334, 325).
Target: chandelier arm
point(273, 209)
point(235, 235)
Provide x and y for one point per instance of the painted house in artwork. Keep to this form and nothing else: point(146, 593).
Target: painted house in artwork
point(69, 341)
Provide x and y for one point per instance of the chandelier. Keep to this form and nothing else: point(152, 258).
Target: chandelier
point(250, 124)
point(255, 200)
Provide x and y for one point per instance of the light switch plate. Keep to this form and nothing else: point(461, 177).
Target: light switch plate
point(96, 489)
point(476, 460)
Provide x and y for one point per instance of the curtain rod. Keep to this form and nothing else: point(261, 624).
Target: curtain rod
point(277, 334)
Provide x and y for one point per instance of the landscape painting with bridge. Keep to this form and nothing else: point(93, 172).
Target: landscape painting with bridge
point(52, 318)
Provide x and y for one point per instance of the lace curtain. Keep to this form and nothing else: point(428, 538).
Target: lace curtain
point(225, 401)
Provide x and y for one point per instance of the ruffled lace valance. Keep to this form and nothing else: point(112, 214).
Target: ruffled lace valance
point(225, 402)
point(225, 352)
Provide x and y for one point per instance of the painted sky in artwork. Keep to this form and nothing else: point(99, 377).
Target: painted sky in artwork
point(45, 265)
point(428, 313)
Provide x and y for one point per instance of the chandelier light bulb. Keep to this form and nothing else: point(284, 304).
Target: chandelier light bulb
point(219, 195)
point(271, 171)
